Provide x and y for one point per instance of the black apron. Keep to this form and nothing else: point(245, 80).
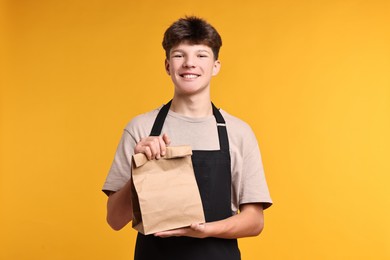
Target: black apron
point(213, 176)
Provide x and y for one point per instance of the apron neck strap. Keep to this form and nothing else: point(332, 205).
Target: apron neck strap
point(221, 125)
point(159, 122)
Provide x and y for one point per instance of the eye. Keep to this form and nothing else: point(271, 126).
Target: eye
point(202, 56)
point(177, 55)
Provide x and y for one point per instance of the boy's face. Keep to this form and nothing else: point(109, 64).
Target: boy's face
point(191, 68)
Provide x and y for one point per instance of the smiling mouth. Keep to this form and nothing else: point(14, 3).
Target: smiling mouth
point(189, 76)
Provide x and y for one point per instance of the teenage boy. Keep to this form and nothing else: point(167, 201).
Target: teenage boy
point(226, 157)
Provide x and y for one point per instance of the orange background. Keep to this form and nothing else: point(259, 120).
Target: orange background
point(311, 77)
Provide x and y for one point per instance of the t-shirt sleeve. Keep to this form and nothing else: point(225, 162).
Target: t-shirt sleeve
point(253, 188)
point(120, 171)
point(249, 182)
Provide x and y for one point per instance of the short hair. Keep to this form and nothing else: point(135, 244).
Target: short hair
point(193, 30)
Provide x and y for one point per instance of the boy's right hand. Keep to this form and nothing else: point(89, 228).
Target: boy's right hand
point(154, 147)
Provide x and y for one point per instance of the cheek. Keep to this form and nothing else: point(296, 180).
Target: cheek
point(172, 68)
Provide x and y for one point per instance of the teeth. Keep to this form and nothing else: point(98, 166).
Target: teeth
point(190, 76)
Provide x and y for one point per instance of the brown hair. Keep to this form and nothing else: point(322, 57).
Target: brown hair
point(192, 30)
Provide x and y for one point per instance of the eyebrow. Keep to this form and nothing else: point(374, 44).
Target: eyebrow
point(200, 50)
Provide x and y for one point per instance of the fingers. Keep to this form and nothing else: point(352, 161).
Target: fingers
point(150, 146)
point(172, 233)
point(195, 230)
point(154, 147)
point(164, 141)
point(162, 146)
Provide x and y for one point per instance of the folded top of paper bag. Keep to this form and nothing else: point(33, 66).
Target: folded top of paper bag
point(171, 152)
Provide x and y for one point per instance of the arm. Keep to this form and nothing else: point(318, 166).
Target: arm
point(119, 206)
point(249, 222)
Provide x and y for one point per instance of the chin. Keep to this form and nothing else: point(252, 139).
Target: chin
point(188, 90)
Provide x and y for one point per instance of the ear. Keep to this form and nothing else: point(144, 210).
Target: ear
point(167, 65)
point(216, 67)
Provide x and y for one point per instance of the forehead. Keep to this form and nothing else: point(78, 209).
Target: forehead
point(185, 46)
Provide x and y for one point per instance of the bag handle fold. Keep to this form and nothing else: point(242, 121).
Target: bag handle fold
point(172, 152)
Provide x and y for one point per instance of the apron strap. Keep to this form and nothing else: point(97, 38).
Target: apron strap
point(159, 122)
point(222, 133)
point(221, 125)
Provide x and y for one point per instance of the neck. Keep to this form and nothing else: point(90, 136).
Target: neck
point(192, 106)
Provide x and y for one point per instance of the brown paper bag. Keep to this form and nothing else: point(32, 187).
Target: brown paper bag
point(165, 194)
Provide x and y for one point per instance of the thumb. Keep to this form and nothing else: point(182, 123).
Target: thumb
point(166, 139)
point(197, 227)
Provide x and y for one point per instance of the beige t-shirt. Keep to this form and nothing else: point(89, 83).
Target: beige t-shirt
point(248, 180)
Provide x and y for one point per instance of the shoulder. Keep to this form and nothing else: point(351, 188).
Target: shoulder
point(236, 125)
point(242, 138)
point(142, 122)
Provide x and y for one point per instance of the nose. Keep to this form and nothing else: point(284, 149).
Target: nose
point(189, 62)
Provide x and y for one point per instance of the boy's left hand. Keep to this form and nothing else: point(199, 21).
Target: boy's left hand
point(195, 230)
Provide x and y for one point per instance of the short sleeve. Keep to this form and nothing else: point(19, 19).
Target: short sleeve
point(254, 188)
point(248, 179)
point(120, 171)
point(135, 130)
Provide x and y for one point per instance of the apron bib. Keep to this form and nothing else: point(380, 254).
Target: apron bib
point(213, 176)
